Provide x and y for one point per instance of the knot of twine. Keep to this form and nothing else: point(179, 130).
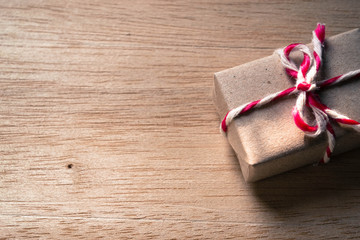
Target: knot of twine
point(305, 86)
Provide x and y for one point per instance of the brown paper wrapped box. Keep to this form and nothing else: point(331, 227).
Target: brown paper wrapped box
point(266, 140)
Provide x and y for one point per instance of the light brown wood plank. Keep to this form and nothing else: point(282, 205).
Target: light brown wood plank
point(79, 228)
point(107, 126)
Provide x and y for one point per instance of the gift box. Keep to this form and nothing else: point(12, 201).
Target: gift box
point(267, 141)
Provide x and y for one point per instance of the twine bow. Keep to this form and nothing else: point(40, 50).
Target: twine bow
point(305, 86)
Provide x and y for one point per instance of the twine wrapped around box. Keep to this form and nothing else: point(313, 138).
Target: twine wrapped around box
point(307, 100)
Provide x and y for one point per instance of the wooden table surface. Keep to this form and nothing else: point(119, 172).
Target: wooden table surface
point(108, 129)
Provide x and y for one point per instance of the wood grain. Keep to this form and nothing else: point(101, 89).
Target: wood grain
point(108, 130)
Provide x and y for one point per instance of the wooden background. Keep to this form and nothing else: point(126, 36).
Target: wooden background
point(108, 130)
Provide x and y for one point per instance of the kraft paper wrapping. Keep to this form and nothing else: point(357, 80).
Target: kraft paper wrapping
point(266, 140)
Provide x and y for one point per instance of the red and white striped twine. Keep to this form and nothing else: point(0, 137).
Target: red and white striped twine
point(305, 87)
